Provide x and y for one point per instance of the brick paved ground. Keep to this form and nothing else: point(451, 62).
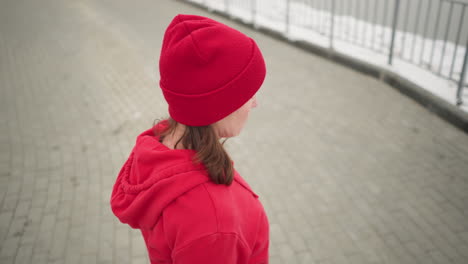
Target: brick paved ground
point(349, 170)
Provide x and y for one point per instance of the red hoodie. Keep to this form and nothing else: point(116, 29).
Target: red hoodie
point(182, 215)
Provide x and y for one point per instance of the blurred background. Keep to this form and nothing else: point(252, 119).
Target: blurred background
point(349, 169)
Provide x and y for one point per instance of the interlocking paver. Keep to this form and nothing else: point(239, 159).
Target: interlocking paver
point(348, 169)
point(24, 254)
point(9, 247)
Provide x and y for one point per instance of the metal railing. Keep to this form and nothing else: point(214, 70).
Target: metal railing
point(403, 29)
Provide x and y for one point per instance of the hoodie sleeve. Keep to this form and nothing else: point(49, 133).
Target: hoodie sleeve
point(217, 248)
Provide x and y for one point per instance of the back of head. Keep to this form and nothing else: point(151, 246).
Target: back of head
point(208, 70)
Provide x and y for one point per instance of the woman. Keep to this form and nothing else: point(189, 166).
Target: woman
point(178, 185)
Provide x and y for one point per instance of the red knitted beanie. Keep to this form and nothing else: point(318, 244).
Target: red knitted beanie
point(208, 70)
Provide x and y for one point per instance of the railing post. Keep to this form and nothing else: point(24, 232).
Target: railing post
point(392, 43)
point(449, 19)
point(436, 29)
point(462, 18)
point(253, 6)
point(332, 23)
point(461, 82)
point(287, 17)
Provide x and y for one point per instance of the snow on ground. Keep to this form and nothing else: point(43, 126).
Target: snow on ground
point(423, 61)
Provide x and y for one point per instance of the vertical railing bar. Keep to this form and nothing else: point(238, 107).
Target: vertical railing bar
point(306, 13)
point(226, 6)
point(416, 29)
point(447, 29)
point(392, 43)
point(353, 27)
point(426, 22)
point(351, 19)
point(330, 6)
point(343, 20)
point(370, 23)
point(461, 82)
point(310, 16)
point(384, 24)
point(300, 20)
point(313, 17)
point(405, 29)
point(339, 11)
point(253, 5)
point(319, 5)
point(364, 26)
point(363, 21)
point(374, 23)
point(436, 28)
point(324, 20)
point(332, 22)
point(304, 18)
point(343, 17)
point(356, 28)
point(287, 17)
point(348, 25)
point(317, 18)
point(358, 13)
point(317, 14)
point(317, 11)
point(462, 18)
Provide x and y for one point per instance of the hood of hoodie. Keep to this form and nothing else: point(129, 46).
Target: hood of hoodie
point(152, 177)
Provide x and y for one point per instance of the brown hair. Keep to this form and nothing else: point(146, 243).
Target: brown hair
point(210, 151)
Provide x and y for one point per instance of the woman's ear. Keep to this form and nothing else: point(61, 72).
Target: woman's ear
point(254, 103)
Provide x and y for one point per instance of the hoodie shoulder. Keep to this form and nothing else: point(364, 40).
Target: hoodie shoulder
point(211, 208)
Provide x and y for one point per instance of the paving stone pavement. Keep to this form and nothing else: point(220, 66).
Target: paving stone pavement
point(348, 169)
